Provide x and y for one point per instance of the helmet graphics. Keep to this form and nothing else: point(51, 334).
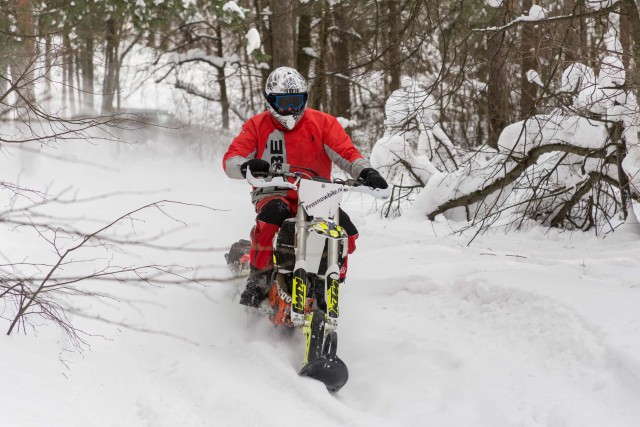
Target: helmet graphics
point(286, 96)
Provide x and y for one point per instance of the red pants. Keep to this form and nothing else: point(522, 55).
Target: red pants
point(272, 211)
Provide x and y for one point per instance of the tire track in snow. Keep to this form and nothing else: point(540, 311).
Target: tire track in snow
point(461, 345)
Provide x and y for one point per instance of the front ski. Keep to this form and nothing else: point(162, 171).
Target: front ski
point(321, 362)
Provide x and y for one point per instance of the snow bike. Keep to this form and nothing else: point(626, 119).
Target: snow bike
point(309, 250)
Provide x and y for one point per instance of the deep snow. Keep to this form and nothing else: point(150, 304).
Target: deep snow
point(532, 328)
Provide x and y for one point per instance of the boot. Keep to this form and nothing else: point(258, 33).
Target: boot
point(257, 289)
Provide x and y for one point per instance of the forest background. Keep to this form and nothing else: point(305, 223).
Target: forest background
point(471, 69)
point(485, 116)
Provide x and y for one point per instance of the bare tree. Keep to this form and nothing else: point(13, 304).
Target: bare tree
point(283, 22)
point(41, 289)
point(498, 86)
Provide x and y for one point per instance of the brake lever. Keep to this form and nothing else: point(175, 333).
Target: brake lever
point(280, 168)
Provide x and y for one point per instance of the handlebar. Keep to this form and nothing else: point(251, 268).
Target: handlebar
point(281, 171)
point(276, 181)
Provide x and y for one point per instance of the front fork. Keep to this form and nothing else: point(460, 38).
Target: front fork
point(332, 283)
point(300, 285)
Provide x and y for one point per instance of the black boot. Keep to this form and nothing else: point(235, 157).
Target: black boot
point(257, 289)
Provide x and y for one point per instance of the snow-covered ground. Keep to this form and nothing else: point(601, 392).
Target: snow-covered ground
point(535, 328)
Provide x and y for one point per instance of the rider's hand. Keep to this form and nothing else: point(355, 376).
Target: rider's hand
point(371, 178)
point(255, 165)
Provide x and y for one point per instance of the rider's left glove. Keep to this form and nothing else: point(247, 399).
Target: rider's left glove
point(372, 178)
point(255, 165)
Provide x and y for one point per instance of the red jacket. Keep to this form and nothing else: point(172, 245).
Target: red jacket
point(316, 141)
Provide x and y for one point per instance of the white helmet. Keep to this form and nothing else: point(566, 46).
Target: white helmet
point(286, 96)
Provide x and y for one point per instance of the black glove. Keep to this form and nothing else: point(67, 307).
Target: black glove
point(371, 178)
point(256, 165)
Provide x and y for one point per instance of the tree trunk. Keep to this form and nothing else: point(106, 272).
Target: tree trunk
point(340, 87)
point(394, 45)
point(224, 100)
point(282, 24)
point(87, 74)
point(528, 50)
point(111, 59)
point(77, 59)
point(47, 67)
point(265, 27)
point(5, 54)
point(625, 35)
point(572, 43)
point(616, 132)
point(630, 10)
point(26, 54)
point(497, 87)
point(318, 94)
point(117, 78)
point(304, 39)
point(69, 67)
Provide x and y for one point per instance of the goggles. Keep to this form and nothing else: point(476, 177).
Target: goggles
point(287, 104)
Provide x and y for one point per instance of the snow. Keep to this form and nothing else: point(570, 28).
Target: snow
point(535, 328)
point(388, 154)
point(253, 40)
point(232, 7)
point(309, 51)
point(346, 123)
point(537, 12)
point(475, 174)
point(600, 4)
point(541, 130)
point(577, 74)
point(400, 148)
point(556, 172)
point(534, 77)
point(201, 55)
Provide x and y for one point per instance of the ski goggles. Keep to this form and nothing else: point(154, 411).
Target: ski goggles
point(287, 104)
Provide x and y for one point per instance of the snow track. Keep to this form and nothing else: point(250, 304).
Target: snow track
point(520, 355)
point(537, 328)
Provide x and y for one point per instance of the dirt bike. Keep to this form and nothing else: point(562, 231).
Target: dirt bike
point(308, 254)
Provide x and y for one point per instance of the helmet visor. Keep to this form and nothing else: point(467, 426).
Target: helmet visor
point(287, 104)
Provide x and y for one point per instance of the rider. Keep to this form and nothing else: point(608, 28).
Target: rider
point(289, 132)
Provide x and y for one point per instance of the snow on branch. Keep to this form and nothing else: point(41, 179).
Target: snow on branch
point(199, 55)
point(562, 170)
point(232, 7)
point(496, 176)
point(541, 18)
point(576, 167)
point(253, 40)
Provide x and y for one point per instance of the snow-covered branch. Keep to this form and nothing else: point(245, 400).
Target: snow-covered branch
point(499, 175)
point(538, 19)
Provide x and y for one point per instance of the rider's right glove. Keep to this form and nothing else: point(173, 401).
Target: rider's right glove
point(371, 178)
point(255, 165)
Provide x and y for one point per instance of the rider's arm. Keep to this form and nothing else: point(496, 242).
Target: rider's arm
point(242, 148)
point(341, 150)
